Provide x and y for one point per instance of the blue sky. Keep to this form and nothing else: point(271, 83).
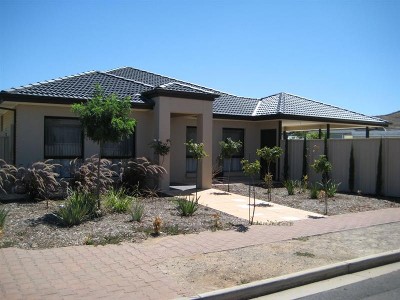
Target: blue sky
point(345, 53)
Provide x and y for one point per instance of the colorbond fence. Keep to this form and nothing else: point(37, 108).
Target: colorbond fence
point(366, 152)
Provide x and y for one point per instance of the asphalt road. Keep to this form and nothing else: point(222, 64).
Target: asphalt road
point(381, 283)
point(384, 287)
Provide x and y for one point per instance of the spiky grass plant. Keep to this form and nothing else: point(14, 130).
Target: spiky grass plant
point(187, 206)
point(7, 175)
point(140, 174)
point(137, 211)
point(117, 200)
point(38, 180)
point(78, 208)
point(84, 176)
point(3, 217)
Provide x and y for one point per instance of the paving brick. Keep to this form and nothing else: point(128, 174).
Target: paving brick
point(129, 271)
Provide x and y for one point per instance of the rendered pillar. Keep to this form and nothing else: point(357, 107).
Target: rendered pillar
point(204, 135)
point(163, 132)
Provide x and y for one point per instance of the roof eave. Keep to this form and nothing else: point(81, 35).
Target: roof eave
point(281, 116)
point(5, 96)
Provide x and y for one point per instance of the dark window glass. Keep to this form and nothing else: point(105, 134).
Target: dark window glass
point(191, 134)
point(122, 149)
point(236, 135)
point(63, 138)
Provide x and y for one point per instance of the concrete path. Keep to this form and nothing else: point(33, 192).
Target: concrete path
point(238, 206)
point(129, 271)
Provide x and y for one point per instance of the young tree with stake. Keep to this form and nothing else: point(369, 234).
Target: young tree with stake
point(105, 118)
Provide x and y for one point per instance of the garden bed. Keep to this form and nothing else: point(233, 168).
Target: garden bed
point(31, 225)
point(340, 204)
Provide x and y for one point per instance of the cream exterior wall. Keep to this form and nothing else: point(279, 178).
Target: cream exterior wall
point(167, 126)
point(252, 136)
point(30, 132)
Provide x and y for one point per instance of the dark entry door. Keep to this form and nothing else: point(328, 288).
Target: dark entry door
point(268, 139)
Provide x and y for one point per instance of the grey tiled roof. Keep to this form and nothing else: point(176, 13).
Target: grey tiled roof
point(180, 87)
point(292, 105)
point(82, 86)
point(132, 82)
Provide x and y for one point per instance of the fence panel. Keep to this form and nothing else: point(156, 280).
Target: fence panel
point(366, 152)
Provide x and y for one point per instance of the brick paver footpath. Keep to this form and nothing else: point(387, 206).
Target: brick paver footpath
point(130, 271)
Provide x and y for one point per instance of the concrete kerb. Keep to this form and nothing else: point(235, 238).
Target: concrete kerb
point(277, 284)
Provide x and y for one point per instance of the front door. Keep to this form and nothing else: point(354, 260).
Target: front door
point(268, 139)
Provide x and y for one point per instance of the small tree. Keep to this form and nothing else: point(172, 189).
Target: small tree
point(269, 155)
point(228, 149)
point(105, 118)
point(351, 169)
point(322, 165)
point(250, 170)
point(160, 148)
point(197, 151)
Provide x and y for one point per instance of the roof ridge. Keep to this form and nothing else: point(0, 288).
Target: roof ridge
point(254, 113)
point(127, 79)
point(316, 101)
point(50, 80)
point(186, 82)
point(185, 85)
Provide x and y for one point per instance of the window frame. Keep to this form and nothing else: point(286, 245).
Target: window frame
point(241, 155)
point(82, 138)
point(124, 156)
point(188, 155)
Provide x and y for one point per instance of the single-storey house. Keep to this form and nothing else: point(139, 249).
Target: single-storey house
point(36, 121)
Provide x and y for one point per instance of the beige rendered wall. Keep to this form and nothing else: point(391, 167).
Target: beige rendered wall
point(30, 132)
point(165, 111)
point(252, 136)
point(178, 148)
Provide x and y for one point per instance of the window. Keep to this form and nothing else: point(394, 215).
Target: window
point(191, 134)
point(63, 138)
point(122, 149)
point(236, 135)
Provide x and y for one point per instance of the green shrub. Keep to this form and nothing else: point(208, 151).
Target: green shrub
point(290, 186)
point(314, 191)
point(331, 188)
point(117, 200)
point(38, 180)
point(78, 208)
point(3, 216)
point(187, 207)
point(137, 211)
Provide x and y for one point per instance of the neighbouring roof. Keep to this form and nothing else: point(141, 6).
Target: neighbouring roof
point(142, 85)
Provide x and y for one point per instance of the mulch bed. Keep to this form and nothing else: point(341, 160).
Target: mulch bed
point(31, 225)
point(340, 204)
